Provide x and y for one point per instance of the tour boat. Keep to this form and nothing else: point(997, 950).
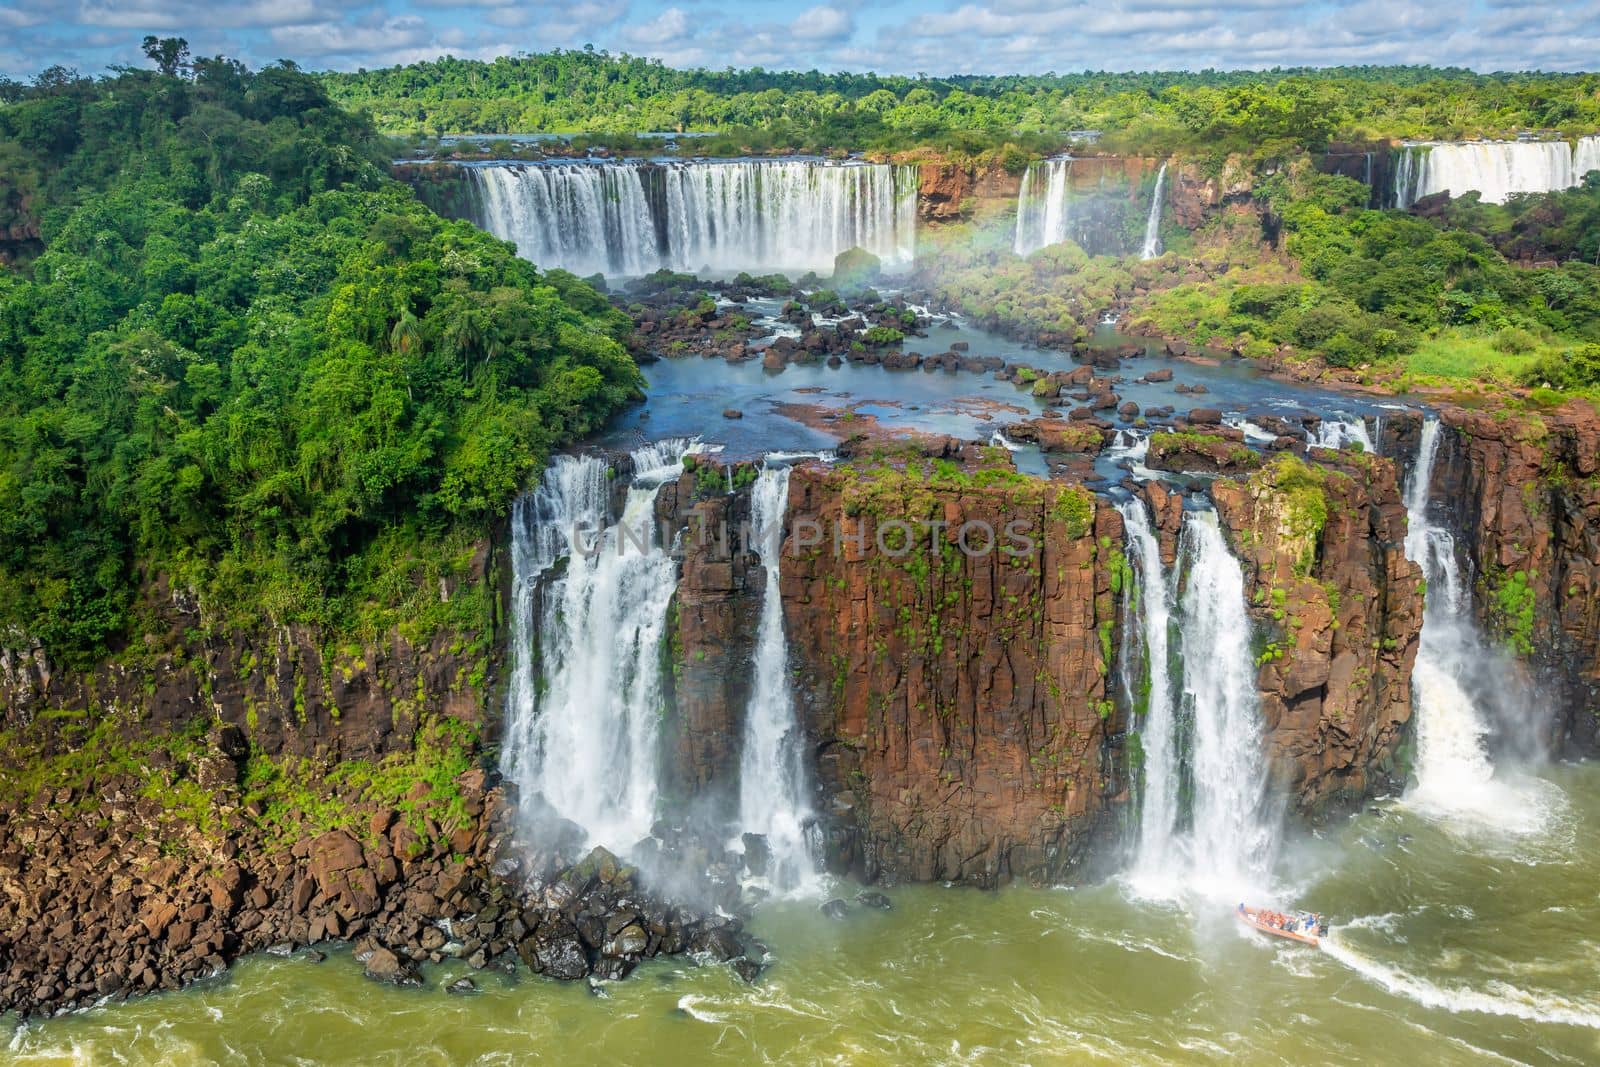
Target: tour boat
point(1301, 926)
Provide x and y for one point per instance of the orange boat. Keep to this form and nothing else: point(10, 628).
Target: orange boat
point(1302, 926)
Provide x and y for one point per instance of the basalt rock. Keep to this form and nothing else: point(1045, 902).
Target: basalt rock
point(970, 744)
point(1524, 491)
point(1339, 606)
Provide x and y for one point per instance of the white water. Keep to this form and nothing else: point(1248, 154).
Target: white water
point(1044, 205)
point(1234, 833)
point(586, 738)
point(1504, 999)
point(1132, 447)
point(631, 218)
point(1455, 672)
point(1337, 433)
point(773, 786)
point(1152, 225)
point(1203, 732)
point(1158, 818)
point(1496, 169)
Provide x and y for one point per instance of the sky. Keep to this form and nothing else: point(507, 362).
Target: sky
point(887, 36)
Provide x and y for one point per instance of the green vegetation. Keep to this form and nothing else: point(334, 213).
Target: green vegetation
point(1426, 299)
point(246, 361)
point(285, 798)
point(1213, 112)
point(1513, 602)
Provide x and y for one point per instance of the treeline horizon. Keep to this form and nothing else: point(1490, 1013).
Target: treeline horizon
point(1209, 111)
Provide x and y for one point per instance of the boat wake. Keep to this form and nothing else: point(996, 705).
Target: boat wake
point(1499, 999)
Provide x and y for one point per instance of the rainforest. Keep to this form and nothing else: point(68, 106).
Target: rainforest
point(573, 556)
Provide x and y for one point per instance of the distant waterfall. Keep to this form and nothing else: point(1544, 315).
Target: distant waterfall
point(1152, 225)
point(585, 696)
point(1044, 205)
point(1151, 595)
point(1202, 733)
point(772, 773)
point(1496, 169)
point(1337, 433)
point(631, 218)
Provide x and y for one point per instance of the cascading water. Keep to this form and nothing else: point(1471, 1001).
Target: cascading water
point(1496, 169)
point(1158, 807)
point(1201, 734)
point(586, 691)
point(773, 788)
point(1337, 433)
point(1453, 769)
point(1044, 205)
point(1152, 224)
point(631, 218)
point(1234, 836)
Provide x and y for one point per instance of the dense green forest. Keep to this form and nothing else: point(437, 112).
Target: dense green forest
point(1157, 112)
point(249, 362)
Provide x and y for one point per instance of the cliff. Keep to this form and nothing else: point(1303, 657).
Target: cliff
point(1524, 490)
point(961, 702)
point(1339, 611)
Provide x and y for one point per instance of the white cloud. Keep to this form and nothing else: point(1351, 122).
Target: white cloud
point(938, 36)
point(822, 24)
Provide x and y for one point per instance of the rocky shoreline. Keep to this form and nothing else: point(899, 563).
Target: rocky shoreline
point(103, 897)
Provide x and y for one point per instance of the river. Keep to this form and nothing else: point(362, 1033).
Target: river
point(1452, 942)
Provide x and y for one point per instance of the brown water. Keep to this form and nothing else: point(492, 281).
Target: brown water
point(1453, 943)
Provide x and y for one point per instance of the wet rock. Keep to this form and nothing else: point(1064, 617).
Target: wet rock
point(747, 969)
point(835, 908)
point(385, 966)
point(756, 854)
point(462, 987)
point(1205, 416)
point(1160, 374)
point(869, 898)
point(732, 413)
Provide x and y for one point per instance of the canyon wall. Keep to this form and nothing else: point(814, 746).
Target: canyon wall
point(1338, 609)
point(1524, 489)
point(962, 709)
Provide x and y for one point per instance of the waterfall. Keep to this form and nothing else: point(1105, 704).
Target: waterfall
point(585, 696)
point(1452, 763)
point(1044, 205)
point(773, 789)
point(1337, 433)
point(1151, 595)
point(1152, 225)
point(1201, 733)
point(1234, 834)
point(1496, 169)
point(631, 218)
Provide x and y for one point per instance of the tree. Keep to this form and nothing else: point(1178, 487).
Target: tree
point(169, 54)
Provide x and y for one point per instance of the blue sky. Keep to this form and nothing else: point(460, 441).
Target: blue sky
point(890, 36)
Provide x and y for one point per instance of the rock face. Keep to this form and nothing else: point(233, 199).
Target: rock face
point(1524, 491)
point(959, 702)
point(1340, 610)
point(714, 624)
point(273, 684)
